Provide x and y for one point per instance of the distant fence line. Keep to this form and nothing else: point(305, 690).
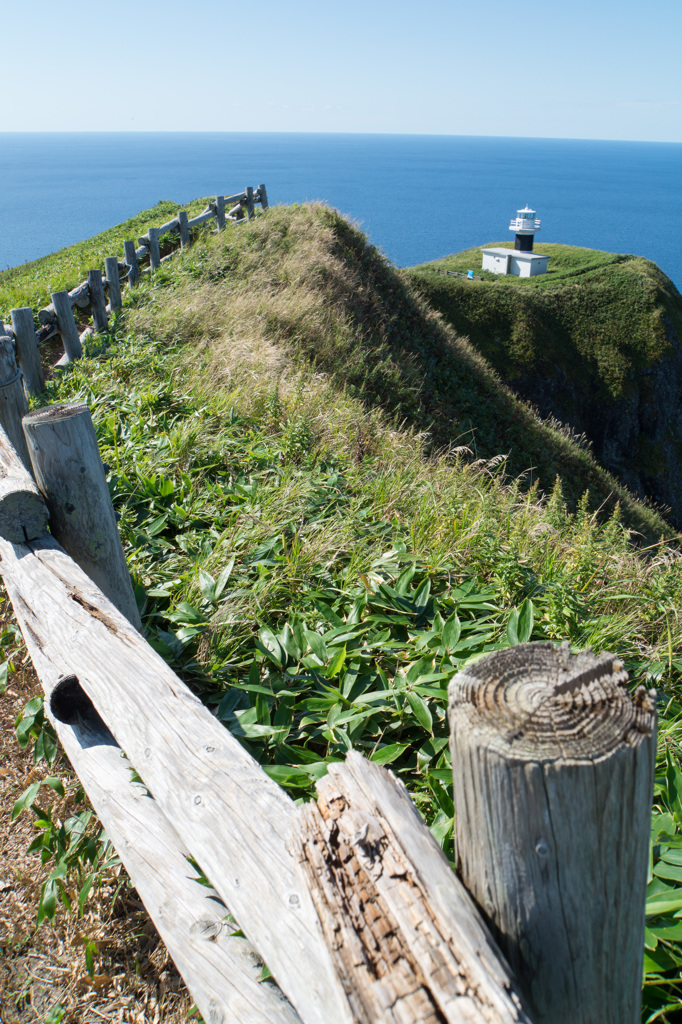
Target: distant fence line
point(58, 318)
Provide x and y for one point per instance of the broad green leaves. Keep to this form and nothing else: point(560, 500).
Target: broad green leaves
point(520, 625)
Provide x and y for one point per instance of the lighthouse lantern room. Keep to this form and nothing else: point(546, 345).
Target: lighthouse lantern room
point(520, 261)
point(525, 225)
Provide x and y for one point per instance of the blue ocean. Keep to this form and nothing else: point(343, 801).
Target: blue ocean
point(416, 196)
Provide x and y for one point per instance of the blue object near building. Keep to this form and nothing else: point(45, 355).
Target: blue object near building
point(470, 275)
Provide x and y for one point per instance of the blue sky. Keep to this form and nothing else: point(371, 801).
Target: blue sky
point(593, 70)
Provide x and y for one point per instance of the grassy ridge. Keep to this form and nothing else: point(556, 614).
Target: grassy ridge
point(336, 303)
point(601, 318)
point(308, 557)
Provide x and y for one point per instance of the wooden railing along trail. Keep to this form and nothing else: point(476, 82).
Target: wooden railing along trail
point(349, 900)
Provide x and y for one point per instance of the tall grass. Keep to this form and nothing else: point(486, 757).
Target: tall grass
point(326, 516)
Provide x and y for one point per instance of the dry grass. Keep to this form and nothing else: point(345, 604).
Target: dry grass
point(135, 981)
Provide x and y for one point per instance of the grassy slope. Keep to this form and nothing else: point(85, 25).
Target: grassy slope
point(599, 316)
point(312, 568)
point(336, 302)
point(32, 283)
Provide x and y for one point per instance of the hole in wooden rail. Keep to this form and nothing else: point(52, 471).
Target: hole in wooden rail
point(69, 703)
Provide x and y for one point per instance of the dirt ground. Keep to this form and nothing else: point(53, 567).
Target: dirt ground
point(43, 974)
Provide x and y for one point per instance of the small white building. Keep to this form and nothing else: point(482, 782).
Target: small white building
point(520, 261)
point(514, 262)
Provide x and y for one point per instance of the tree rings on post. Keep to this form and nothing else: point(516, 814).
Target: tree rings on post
point(552, 766)
point(538, 702)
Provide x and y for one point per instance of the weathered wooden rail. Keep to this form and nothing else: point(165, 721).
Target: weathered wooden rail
point(57, 319)
point(348, 900)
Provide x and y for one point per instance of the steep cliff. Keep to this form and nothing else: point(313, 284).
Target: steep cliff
point(595, 343)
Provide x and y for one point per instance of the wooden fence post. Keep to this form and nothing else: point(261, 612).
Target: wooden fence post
point(263, 193)
point(114, 282)
point(12, 399)
point(220, 211)
point(154, 249)
point(23, 514)
point(184, 228)
point(28, 354)
point(67, 326)
point(250, 209)
point(98, 302)
point(68, 470)
point(552, 763)
point(131, 261)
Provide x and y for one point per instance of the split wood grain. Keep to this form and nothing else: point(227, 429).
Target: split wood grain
point(68, 469)
point(408, 941)
point(13, 405)
point(27, 353)
point(235, 821)
point(23, 514)
point(67, 326)
point(552, 763)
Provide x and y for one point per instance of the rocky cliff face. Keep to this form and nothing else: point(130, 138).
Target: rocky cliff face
point(598, 349)
point(637, 437)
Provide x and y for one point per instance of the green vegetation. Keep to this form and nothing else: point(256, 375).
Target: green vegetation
point(328, 508)
point(598, 317)
point(32, 283)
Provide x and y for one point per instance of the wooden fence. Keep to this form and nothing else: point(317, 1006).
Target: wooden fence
point(91, 295)
point(349, 900)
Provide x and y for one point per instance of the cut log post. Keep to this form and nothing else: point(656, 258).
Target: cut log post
point(263, 196)
point(220, 211)
point(552, 763)
point(112, 275)
point(23, 514)
point(406, 938)
point(250, 208)
point(28, 356)
point(131, 262)
point(78, 296)
point(184, 228)
point(68, 470)
point(154, 250)
point(13, 403)
point(67, 326)
point(98, 302)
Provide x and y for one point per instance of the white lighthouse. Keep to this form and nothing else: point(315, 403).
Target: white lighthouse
point(525, 225)
point(520, 261)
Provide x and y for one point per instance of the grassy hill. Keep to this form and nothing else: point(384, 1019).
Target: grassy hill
point(596, 342)
point(330, 503)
